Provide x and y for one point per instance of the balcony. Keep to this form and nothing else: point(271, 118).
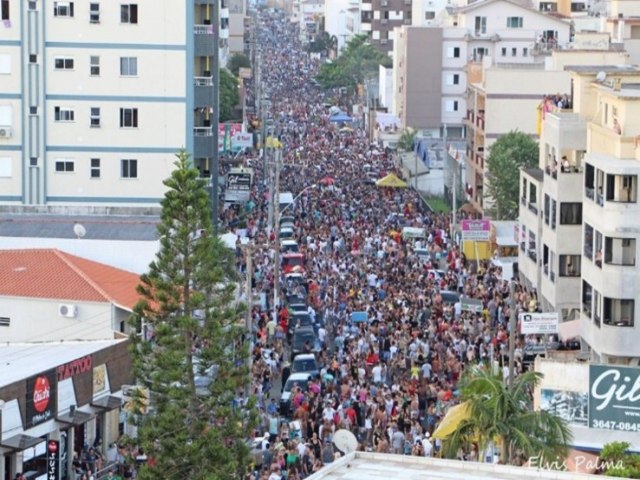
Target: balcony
point(203, 81)
point(204, 29)
point(204, 45)
point(203, 142)
point(602, 139)
point(203, 92)
point(203, 131)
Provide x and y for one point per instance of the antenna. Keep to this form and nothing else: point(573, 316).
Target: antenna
point(79, 230)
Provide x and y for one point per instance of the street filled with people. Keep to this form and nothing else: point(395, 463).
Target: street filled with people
point(369, 333)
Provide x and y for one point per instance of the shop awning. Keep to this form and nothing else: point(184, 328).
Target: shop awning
point(20, 442)
point(454, 417)
point(392, 181)
point(76, 418)
point(108, 402)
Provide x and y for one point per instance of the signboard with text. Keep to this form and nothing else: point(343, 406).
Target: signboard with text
point(538, 323)
point(614, 398)
point(53, 460)
point(475, 230)
point(41, 398)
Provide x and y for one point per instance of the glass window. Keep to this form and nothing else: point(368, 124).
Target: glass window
point(570, 213)
point(128, 117)
point(129, 13)
point(4, 10)
point(95, 117)
point(63, 63)
point(480, 25)
point(64, 166)
point(129, 168)
point(588, 241)
point(620, 251)
point(617, 312)
point(547, 208)
point(63, 9)
point(95, 168)
point(94, 13)
point(587, 299)
point(514, 22)
point(62, 114)
point(129, 66)
point(569, 266)
point(94, 65)
point(622, 188)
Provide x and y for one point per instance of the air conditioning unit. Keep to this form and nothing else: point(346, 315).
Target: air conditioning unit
point(5, 132)
point(68, 310)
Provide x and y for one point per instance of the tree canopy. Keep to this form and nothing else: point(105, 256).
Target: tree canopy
point(238, 61)
point(191, 350)
point(357, 61)
point(505, 416)
point(323, 43)
point(407, 138)
point(506, 156)
point(229, 96)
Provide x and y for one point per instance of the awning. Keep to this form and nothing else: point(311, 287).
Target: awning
point(569, 330)
point(454, 417)
point(392, 181)
point(108, 402)
point(76, 418)
point(21, 442)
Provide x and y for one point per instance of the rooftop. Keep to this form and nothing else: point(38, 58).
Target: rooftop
point(53, 274)
point(380, 466)
point(536, 173)
point(595, 69)
point(22, 360)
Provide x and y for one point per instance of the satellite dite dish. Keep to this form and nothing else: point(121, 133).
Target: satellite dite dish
point(345, 441)
point(601, 77)
point(79, 230)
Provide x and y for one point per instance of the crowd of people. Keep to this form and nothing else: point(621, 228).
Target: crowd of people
point(391, 378)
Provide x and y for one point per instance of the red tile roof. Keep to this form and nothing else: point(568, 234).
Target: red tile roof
point(51, 273)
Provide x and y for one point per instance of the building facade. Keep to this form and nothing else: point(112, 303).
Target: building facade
point(379, 18)
point(97, 97)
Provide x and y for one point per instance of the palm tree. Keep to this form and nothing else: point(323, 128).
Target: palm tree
point(506, 416)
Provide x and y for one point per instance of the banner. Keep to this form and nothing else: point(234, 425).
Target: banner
point(476, 230)
point(538, 323)
point(614, 398)
point(53, 460)
point(41, 398)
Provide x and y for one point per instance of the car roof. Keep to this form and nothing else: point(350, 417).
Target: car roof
point(289, 242)
point(304, 356)
point(306, 329)
point(296, 377)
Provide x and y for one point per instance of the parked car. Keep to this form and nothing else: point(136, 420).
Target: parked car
point(289, 246)
point(295, 380)
point(450, 297)
point(287, 222)
point(286, 232)
point(302, 336)
point(300, 319)
point(305, 363)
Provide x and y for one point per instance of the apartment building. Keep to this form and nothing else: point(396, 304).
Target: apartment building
point(379, 18)
point(237, 11)
point(342, 20)
point(97, 97)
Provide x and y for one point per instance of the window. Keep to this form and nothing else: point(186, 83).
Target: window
point(63, 63)
point(622, 188)
point(514, 52)
point(451, 106)
point(453, 52)
point(620, 251)
point(62, 114)
point(33, 162)
point(578, 7)
point(33, 110)
point(514, 22)
point(33, 58)
point(587, 298)
point(129, 66)
point(547, 208)
point(95, 117)
point(95, 168)
point(94, 65)
point(129, 13)
point(429, 15)
point(588, 241)
point(129, 168)
point(525, 52)
point(481, 25)
point(32, 5)
point(4, 10)
point(570, 265)
point(63, 9)
point(128, 117)
point(570, 213)
point(618, 313)
point(64, 166)
point(94, 13)
point(504, 51)
point(453, 79)
point(553, 214)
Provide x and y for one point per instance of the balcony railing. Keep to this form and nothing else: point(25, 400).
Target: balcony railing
point(203, 29)
point(203, 81)
point(203, 131)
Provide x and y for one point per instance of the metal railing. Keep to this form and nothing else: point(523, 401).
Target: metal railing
point(203, 81)
point(203, 29)
point(203, 131)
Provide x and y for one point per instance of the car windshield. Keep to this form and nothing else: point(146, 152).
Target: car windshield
point(304, 365)
point(290, 383)
point(291, 261)
point(300, 338)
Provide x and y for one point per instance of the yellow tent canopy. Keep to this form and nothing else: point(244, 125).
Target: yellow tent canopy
point(392, 181)
point(453, 418)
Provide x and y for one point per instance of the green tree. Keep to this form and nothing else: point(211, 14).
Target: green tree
point(323, 43)
point(506, 156)
point(237, 61)
point(406, 140)
point(616, 461)
point(193, 364)
point(501, 415)
point(357, 61)
point(229, 96)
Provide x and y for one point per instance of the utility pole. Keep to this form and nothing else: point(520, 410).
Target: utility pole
point(454, 200)
point(276, 246)
point(215, 159)
point(248, 318)
point(512, 332)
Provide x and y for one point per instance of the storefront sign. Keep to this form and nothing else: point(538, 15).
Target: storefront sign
point(614, 398)
point(76, 367)
point(41, 398)
point(53, 460)
point(538, 323)
point(99, 379)
point(476, 230)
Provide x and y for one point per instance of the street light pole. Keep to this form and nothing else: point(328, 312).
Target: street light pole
point(512, 332)
point(248, 317)
point(276, 247)
point(215, 159)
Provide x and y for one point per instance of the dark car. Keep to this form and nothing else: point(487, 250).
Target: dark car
point(305, 363)
point(449, 297)
point(301, 337)
point(300, 319)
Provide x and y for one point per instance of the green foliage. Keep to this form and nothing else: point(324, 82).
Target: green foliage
point(323, 43)
point(438, 204)
point(506, 156)
point(191, 431)
point(357, 61)
point(618, 462)
point(506, 416)
point(237, 61)
point(405, 142)
point(229, 96)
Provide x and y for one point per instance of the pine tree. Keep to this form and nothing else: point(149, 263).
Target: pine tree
point(192, 363)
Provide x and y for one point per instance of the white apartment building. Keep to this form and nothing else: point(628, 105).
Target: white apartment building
point(97, 97)
point(579, 211)
point(342, 20)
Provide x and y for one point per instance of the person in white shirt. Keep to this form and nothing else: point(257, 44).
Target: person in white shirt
point(377, 374)
point(427, 446)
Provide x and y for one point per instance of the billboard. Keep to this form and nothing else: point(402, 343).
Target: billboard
point(614, 398)
point(476, 230)
point(570, 406)
point(538, 323)
point(41, 398)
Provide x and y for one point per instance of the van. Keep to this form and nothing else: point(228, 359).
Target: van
point(285, 199)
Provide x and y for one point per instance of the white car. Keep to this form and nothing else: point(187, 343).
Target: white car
point(286, 233)
point(289, 246)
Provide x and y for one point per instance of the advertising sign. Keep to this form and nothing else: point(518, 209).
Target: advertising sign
point(41, 402)
point(471, 305)
point(570, 406)
point(242, 140)
point(538, 323)
point(53, 460)
point(614, 398)
point(476, 230)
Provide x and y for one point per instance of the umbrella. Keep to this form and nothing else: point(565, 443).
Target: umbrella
point(328, 181)
point(392, 181)
point(454, 417)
